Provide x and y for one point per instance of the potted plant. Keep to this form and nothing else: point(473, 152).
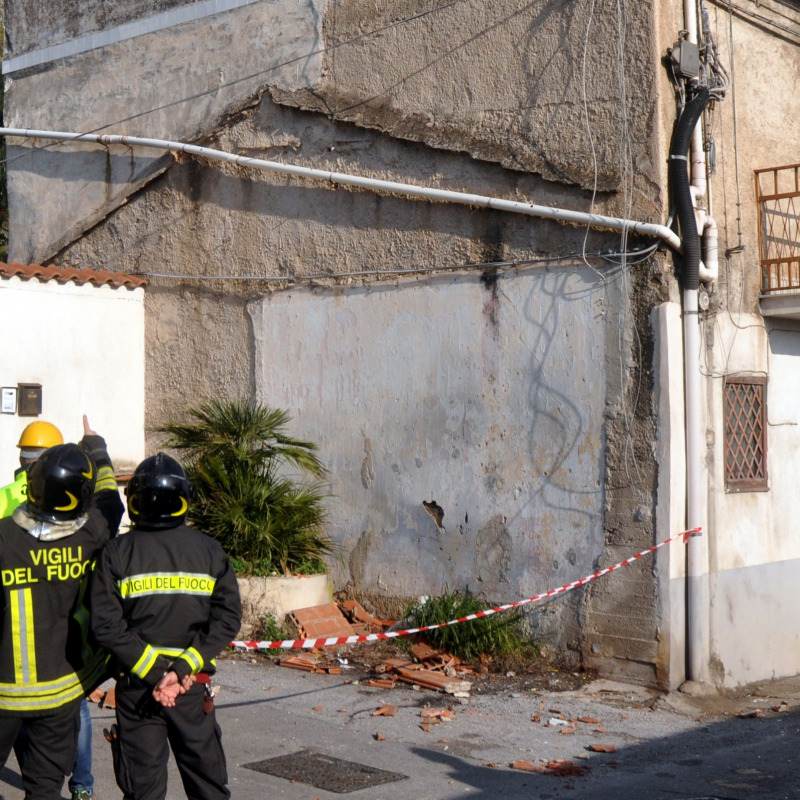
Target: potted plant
point(260, 492)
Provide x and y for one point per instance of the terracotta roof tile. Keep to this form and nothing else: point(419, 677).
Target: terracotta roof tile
point(99, 277)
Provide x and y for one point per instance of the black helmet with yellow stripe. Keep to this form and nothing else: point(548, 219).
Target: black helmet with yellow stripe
point(158, 493)
point(60, 483)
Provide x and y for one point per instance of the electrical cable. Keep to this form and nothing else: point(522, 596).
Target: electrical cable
point(641, 255)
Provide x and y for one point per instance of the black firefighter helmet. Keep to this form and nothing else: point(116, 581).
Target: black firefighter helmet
point(60, 483)
point(158, 493)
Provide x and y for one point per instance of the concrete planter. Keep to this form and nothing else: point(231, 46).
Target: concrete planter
point(278, 595)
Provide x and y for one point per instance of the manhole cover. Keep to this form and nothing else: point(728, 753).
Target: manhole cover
point(325, 772)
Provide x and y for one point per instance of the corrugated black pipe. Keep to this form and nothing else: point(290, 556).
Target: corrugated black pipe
point(679, 184)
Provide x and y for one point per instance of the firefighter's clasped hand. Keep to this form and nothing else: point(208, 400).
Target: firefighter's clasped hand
point(171, 687)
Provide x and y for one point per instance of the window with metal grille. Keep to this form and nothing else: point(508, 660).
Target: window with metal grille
point(746, 434)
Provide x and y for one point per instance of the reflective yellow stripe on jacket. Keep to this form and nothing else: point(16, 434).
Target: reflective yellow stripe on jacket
point(166, 583)
point(47, 695)
point(21, 601)
point(191, 656)
point(105, 480)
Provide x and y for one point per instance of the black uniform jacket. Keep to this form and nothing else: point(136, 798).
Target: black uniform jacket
point(164, 599)
point(46, 660)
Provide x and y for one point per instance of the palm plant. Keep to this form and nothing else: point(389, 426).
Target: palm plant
point(239, 458)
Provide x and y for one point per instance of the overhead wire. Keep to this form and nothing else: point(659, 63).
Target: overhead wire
point(765, 21)
point(266, 71)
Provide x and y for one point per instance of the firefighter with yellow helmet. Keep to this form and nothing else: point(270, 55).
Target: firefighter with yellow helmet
point(47, 664)
point(35, 439)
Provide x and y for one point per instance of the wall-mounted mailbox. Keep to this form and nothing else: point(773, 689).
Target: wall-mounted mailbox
point(29, 401)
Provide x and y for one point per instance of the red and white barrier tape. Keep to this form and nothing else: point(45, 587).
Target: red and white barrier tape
point(372, 637)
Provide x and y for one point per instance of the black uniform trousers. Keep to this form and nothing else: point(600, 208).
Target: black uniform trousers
point(48, 750)
point(147, 730)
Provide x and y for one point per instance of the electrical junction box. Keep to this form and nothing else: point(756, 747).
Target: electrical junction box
point(30, 399)
point(686, 57)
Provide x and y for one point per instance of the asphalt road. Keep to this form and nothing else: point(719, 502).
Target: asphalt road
point(329, 744)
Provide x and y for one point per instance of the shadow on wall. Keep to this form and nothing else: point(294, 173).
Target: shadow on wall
point(555, 417)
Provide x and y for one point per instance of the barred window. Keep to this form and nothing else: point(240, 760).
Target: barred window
point(778, 196)
point(746, 434)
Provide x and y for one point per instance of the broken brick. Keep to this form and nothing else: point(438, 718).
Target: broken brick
point(380, 683)
point(359, 615)
point(432, 680)
point(423, 652)
point(320, 622)
point(526, 766)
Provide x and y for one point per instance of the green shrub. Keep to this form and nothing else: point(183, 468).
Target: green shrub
point(240, 458)
point(495, 635)
point(271, 631)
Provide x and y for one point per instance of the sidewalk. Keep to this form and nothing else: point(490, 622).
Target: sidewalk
point(656, 746)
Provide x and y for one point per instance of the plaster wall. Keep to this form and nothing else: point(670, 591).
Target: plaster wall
point(510, 81)
point(38, 23)
point(84, 345)
point(541, 102)
point(186, 84)
point(483, 396)
point(754, 128)
point(754, 528)
point(754, 631)
point(754, 547)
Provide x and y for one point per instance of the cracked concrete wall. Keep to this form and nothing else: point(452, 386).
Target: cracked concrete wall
point(509, 82)
point(459, 392)
point(524, 354)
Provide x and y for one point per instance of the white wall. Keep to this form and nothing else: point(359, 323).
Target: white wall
point(754, 541)
point(85, 346)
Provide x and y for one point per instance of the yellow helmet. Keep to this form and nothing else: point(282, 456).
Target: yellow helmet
point(40, 434)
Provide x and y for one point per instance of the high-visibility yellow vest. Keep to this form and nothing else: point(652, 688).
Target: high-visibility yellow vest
point(14, 494)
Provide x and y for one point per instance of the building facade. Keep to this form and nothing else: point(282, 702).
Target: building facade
point(540, 373)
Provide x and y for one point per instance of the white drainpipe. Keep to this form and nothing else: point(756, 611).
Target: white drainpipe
point(709, 266)
point(697, 591)
point(373, 184)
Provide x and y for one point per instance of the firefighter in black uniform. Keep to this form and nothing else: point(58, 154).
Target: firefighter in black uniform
point(46, 662)
point(165, 601)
